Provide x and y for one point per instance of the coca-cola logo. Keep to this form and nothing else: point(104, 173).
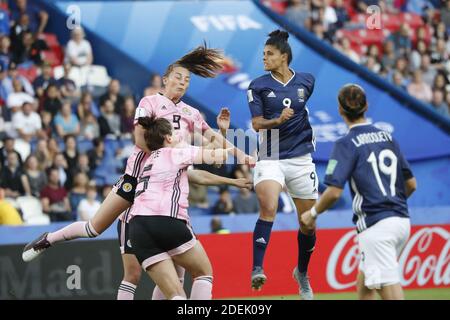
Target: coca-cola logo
point(425, 260)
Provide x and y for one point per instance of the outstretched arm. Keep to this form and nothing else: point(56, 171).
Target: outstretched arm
point(203, 177)
point(328, 198)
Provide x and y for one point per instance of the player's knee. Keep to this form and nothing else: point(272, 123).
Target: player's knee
point(133, 274)
point(308, 230)
point(268, 209)
point(204, 270)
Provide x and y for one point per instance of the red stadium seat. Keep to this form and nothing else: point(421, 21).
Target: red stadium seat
point(29, 73)
point(50, 39)
point(279, 6)
point(51, 57)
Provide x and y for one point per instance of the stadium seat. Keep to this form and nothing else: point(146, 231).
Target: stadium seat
point(32, 211)
point(84, 145)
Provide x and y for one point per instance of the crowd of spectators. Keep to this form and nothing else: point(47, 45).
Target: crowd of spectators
point(412, 56)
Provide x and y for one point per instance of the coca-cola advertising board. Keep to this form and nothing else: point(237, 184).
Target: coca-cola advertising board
point(424, 262)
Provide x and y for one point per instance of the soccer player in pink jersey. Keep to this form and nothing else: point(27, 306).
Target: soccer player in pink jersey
point(185, 119)
point(160, 231)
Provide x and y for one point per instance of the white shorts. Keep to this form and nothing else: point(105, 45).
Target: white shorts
point(298, 174)
point(380, 246)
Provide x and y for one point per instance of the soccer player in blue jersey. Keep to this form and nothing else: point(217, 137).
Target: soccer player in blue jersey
point(277, 102)
point(381, 180)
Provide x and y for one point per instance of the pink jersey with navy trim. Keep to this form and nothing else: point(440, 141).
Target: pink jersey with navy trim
point(184, 118)
point(163, 186)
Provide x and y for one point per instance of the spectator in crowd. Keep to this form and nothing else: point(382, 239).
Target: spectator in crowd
point(447, 100)
point(42, 154)
point(298, 11)
point(79, 50)
point(82, 166)
point(67, 86)
point(13, 181)
point(198, 196)
point(37, 179)
point(439, 104)
point(398, 80)
point(419, 89)
point(53, 147)
point(109, 121)
point(127, 119)
point(389, 57)
point(445, 14)
point(348, 51)
point(440, 82)
point(224, 205)
point(245, 202)
point(106, 189)
point(54, 198)
point(27, 123)
point(155, 85)
point(86, 105)
point(13, 74)
point(97, 154)
point(217, 227)
point(79, 191)
point(89, 127)
point(70, 152)
point(29, 50)
point(4, 22)
point(45, 79)
point(47, 125)
point(372, 64)
point(66, 122)
point(428, 71)
point(113, 95)
point(8, 147)
point(416, 55)
point(242, 171)
point(38, 17)
point(60, 163)
point(362, 5)
point(88, 207)
point(401, 39)
point(52, 102)
point(341, 14)
point(5, 52)
point(17, 31)
point(18, 97)
point(440, 32)
point(9, 216)
point(439, 56)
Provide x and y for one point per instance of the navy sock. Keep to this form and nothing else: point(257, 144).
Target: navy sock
point(306, 245)
point(261, 236)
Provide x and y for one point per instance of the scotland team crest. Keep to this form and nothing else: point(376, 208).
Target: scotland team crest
point(186, 111)
point(301, 94)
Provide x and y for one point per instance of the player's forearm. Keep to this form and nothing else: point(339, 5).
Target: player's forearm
point(410, 186)
point(328, 198)
point(220, 141)
point(267, 124)
point(203, 177)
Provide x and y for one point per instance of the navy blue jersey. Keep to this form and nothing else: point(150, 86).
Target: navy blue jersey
point(371, 160)
point(267, 97)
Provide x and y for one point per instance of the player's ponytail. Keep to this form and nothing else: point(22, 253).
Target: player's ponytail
point(279, 39)
point(352, 100)
point(156, 130)
point(202, 61)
